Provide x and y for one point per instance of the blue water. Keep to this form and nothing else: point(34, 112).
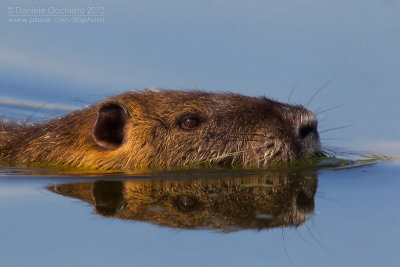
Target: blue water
point(351, 49)
point(355, 223)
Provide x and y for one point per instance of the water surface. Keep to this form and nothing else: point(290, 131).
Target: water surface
point(326, 213)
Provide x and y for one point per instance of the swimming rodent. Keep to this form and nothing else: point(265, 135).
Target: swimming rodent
point(257, 201)
point(167, 128)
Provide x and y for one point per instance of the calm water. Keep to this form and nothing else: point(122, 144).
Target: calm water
point(334, 213)
point(331, 217)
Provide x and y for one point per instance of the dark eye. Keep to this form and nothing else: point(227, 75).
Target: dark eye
point(187, 203)
point(189, 122)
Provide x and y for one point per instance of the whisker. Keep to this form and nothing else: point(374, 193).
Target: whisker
point(336, 128)
point(28, 120)
point(291, 92)
point(85, 103)
point(276, 154)
point(271, 158)
point(327, 109)
point(256, 134)
point(319, 90)
point(320, 105)
point(249, 137)
point(324, 119)
point(243, 140)
point(235, 153)
point(327, 139)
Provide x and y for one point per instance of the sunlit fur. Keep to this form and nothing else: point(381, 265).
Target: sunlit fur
point(235, 130)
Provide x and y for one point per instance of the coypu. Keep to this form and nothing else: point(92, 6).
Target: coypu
point(261, 201)
point(167, 128)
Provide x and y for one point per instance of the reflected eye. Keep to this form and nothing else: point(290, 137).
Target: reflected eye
point(189, 122)
point(187, 203)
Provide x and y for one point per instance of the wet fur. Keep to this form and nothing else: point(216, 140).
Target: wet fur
point(235, 130)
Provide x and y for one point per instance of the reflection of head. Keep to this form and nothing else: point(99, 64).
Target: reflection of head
point(255, 202)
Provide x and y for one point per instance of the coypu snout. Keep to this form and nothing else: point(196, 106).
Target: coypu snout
point(308, 127)
point(307, 133)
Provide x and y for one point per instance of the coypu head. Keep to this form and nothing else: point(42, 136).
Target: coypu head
point(163, 128)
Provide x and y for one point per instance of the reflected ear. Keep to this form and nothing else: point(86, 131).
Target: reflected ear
point(108, 130)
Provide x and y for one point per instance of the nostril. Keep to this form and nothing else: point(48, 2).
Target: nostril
point(307, 129)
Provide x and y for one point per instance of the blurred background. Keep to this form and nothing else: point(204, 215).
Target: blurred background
point(69, 54)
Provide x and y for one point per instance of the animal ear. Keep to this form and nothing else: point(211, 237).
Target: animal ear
point(108, 130)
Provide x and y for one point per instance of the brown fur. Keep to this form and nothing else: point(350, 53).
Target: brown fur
point(260, 201)
point(235, 129)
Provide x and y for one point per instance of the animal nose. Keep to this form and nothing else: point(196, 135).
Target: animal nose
point(308, 127)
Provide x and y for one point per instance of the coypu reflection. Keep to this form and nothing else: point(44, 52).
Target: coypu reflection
point(256, 202)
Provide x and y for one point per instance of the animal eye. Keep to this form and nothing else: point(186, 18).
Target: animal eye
point(187, 203)
point(189, 122)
